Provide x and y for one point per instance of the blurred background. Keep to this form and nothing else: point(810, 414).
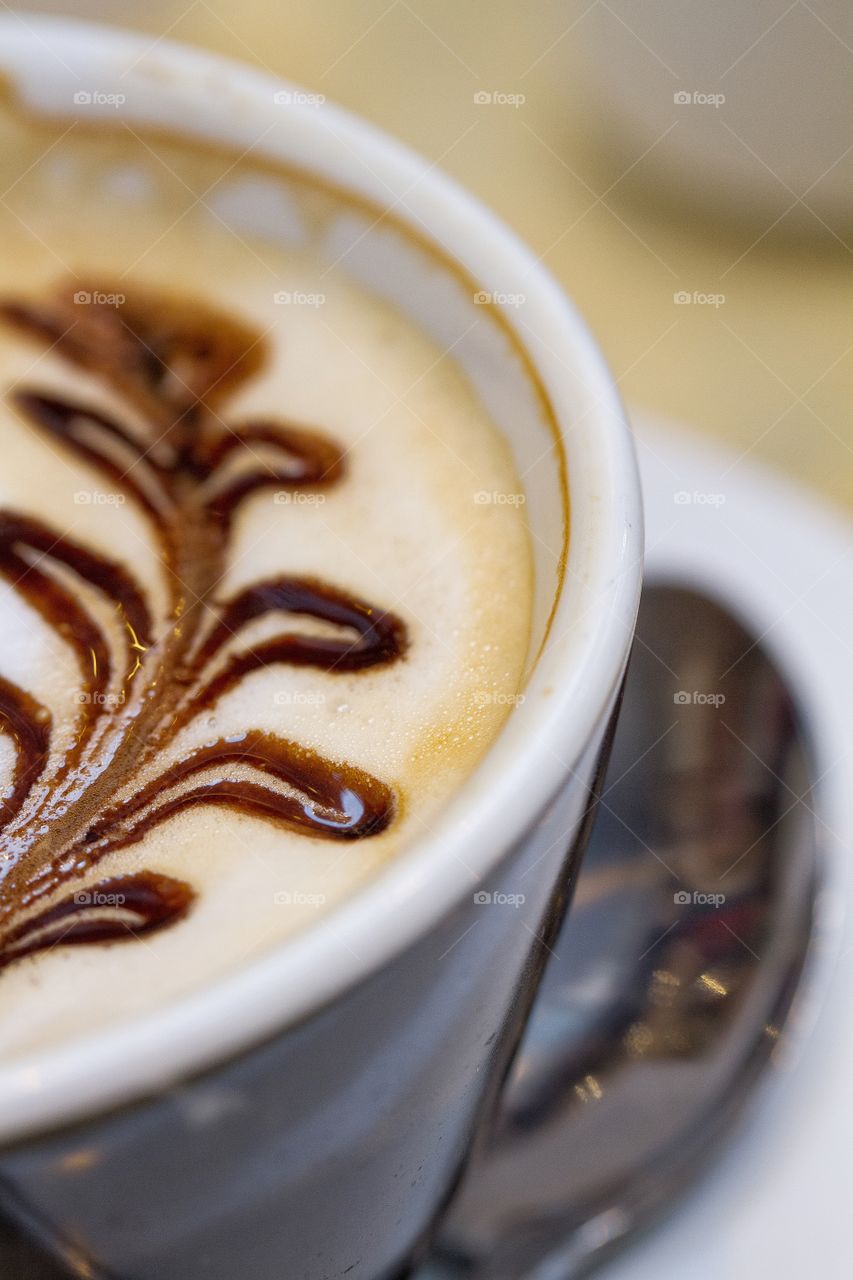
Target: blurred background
point(684, 169)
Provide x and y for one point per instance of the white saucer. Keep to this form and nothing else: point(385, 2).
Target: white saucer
point(777, 1203)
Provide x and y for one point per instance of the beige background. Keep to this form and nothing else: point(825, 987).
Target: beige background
point(770, 370)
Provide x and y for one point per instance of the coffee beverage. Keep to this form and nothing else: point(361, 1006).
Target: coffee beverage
point(264, 568)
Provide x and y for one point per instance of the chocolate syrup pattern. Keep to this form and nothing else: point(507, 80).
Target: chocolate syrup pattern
point(188, 472)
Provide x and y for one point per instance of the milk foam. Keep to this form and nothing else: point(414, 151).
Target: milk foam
point(407, 529)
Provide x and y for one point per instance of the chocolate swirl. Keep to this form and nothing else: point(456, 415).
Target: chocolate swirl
point(174, 363)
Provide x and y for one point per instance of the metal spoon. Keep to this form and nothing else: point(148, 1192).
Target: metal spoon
point(670, 982)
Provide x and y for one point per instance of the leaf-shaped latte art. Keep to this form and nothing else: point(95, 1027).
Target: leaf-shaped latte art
point(174, 363)
point(121, 907)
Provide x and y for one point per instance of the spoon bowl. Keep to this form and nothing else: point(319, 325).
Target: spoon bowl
point(668, 988)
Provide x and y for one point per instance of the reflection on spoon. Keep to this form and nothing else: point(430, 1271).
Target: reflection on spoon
point(673, 975)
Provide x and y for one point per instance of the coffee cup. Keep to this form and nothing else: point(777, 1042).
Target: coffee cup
point(309, 1114)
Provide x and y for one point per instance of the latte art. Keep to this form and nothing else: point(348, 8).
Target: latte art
point(257, 624)
point(176, 363)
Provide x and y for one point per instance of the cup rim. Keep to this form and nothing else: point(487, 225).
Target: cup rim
point(409, 895)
